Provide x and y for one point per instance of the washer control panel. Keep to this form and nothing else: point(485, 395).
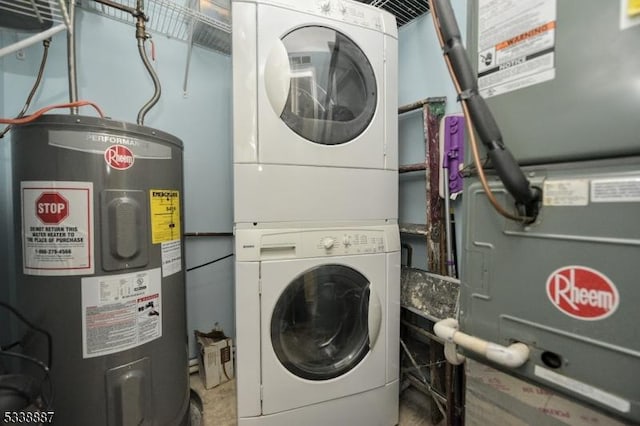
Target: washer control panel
point(336, 242)
point(273, 244)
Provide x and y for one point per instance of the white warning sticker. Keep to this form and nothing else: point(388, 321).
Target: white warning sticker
point(120, 312)
point(171, 257)
point(57, 228)
point(516, 44)
point(616, 190)
point(573, 192)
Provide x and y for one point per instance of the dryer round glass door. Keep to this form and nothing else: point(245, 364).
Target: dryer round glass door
point(320, 324)
point(322, 85)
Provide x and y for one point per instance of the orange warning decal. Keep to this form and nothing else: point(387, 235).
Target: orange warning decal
point(526, 35)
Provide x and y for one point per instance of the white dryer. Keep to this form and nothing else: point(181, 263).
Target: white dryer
point(315, 109)
point(317, 326)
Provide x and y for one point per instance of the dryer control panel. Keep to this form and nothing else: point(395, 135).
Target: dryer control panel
point(347, 11)
point(350, 12)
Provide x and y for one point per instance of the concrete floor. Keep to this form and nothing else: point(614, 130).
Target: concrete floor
point(219, 405)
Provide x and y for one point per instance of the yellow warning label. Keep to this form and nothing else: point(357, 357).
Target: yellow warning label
point(165, 215)
point(633, 8)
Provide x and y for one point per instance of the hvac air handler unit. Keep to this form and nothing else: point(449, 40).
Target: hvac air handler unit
point(554, 287)
point(100, 266)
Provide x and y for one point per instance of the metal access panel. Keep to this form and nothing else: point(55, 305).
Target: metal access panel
point(560, 76)
point(568, 285)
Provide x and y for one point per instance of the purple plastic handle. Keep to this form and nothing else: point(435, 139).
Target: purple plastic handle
point(453, 151)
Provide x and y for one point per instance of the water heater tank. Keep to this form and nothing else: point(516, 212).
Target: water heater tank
point(99, 252)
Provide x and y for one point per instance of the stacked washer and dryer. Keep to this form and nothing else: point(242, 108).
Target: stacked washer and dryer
point(315, 208)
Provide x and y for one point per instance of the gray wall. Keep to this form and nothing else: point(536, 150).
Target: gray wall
point(422, 73)
point(111, 73)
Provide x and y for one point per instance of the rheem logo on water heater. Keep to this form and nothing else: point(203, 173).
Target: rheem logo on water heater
point(582, 293)
point(119, 157)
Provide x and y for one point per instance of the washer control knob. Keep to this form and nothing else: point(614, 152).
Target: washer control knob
point(346, 240)
point(328, 242)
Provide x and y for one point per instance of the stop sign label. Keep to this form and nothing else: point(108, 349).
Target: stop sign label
point(52, 208)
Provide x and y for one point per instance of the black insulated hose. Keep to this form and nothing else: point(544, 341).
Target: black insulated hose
point(484, 123)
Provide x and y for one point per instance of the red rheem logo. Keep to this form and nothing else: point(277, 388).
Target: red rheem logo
point(582, 293)
point(52, 208)
point(119, 157)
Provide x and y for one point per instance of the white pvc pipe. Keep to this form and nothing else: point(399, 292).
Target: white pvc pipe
point(31, 40)
point(512, 356)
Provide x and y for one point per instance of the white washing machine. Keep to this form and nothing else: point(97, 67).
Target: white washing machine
point(317, 326)
point(315, 109)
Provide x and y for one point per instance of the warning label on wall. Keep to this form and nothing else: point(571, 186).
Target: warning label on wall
point(516, 44)
point(57, 228)
point(165, 215)
point(120, 312)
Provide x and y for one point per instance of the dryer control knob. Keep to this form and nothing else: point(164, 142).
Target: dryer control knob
point(328, 242)
point(325, 6)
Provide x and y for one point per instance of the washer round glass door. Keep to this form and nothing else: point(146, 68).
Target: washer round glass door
point(320, 323)
point(331, 85)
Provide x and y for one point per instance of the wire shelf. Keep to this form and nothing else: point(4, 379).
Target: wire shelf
point(175, 21)
point(41, 13)
point(206, 23)
point(405, 11)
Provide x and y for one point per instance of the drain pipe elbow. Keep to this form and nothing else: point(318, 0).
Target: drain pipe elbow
point(512, 356)
point(446, 329)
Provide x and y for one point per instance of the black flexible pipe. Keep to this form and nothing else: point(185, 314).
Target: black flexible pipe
point(47, 375)
point(209, 263)
point(22, 318)
point(505, 164)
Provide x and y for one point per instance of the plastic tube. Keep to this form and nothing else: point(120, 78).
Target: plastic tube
point(512, 356)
